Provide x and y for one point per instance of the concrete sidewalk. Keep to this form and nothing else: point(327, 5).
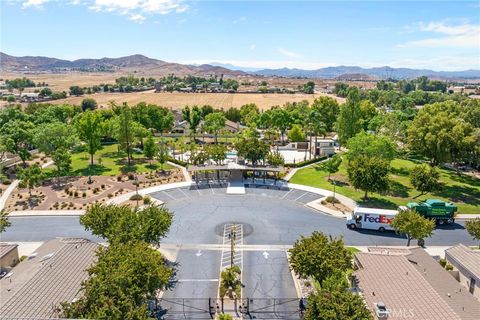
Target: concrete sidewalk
point(40, 213)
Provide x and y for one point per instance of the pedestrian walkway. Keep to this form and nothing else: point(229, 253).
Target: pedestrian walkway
point(185, 173)
point(236, 184)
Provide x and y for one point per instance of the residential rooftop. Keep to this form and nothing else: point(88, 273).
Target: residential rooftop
point(466, 257)
point(412, 284)
point(51, 275)
point(5, 249)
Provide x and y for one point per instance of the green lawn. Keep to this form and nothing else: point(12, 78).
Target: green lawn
point(462, 190)
point(112, 163)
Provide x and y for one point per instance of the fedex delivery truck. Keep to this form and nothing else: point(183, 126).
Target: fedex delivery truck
point(369, 218)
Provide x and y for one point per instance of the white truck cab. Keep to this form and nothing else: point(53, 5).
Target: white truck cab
point(370, 218)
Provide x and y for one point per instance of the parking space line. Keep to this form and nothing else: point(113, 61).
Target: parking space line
point(286, 194)
point(183, 193)
point(301, 196)
point(166, 193)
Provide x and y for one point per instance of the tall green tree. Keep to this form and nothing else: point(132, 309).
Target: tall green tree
point(369, 145)
point(349, 120)
point(439, 133)
point(162, 153)
point(369, 174)
point(473, 229)
point(150, 149)
point(63, 161)
point(281, 120)
point(31, 177)
point(89, 126)
point(249, 113)
point(413, 225)
point(319, 256)
point(336, 304)
point(125, 131)
point(193, 116)
point(121, 224)
point(214, 122)
point(331, 165)
point(88, 104)
point(4, 222)
point(121, 283)
point(252, 148)
point(50, 137)
point(326, 111)
point(295, 134)
point(424, 178)
point(17, 136)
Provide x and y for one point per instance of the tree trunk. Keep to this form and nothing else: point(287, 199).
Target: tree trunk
point(365, 197)
point(408, 240)
point(315, 149)
point(91, 159)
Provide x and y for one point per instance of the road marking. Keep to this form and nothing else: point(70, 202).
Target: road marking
point(265, 254)
point(301, 196)
point(168, 195)
point(286, 194)
point(183, 193)
point(199, 253)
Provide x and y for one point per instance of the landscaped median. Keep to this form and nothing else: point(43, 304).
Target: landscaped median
point(462, 190)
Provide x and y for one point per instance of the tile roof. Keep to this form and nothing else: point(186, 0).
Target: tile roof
point(5, 248)
point(466, 257)
point(413, 284)
point(39, 284)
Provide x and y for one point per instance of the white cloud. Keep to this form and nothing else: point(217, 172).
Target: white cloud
point(463, 35)
point(288, 53)
point(33, 3)
point(252, 46)
point(136, 10)
point(239, 20)
point(139, 6)
point(137, 18)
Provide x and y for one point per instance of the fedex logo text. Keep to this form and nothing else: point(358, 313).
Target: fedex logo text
point(377, 219)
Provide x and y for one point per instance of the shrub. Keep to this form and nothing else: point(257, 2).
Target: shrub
point(75, 194)
point(110, 195)
point(119, 178)
point(102, 186)
point(443, 262)
point(147, 200)
point(331, 199)
point(131, 176)
point(449, 267)
point(304, 163)
point(136, 197)
point(66, 190)
point(7, 181)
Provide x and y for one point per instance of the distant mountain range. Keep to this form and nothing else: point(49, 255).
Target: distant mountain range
point(131, 63)
point(379, 73)
point(151, 66)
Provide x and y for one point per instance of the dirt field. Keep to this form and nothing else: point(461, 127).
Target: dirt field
point(179, 100)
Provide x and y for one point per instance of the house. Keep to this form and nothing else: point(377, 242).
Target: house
point(322, 147)
point(53, 274)
point(406, 283)
point(467, 262)
point(8, 256)
point(181, 127)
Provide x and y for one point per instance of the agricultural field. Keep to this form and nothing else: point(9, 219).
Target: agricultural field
point(462, 190)
point(176, 100)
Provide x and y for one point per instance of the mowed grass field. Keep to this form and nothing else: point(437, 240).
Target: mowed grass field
point(462, 190)
point(112, 163)
point(177, 100)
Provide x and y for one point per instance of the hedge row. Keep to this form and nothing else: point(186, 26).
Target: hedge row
point(304, 163)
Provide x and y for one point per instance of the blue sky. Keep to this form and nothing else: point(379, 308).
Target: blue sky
point(310, 34)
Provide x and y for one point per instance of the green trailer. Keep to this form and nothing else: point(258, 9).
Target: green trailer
point(443, 212)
